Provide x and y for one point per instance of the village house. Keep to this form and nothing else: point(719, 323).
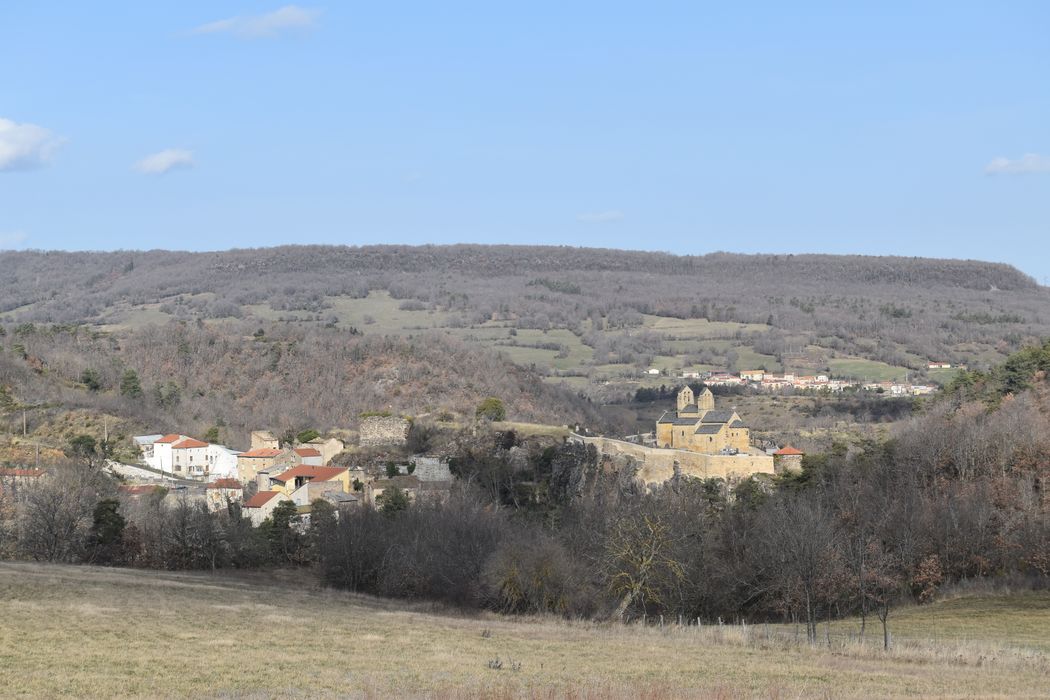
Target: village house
point(292, 480)
point(264, 440)
point(222, 462)
point(186, 457)
point(306, 455)
point(328, 447)
point(259, 507)
point(787, 460)
point(697, 426)
point(255, 460)
point(221, 492)
point(189, 457)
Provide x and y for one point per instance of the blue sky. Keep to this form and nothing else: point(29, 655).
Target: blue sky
point(902, 128)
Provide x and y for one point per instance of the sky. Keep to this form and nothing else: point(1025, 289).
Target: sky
point(903, 128)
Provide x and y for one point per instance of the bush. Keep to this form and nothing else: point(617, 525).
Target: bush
point(491, 409)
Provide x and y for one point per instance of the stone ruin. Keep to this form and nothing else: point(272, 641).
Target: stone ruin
point(383, 431)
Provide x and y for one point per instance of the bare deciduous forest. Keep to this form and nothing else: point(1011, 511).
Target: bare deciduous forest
point(900, 311)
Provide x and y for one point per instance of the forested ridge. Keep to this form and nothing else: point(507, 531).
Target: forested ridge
point(893, 309)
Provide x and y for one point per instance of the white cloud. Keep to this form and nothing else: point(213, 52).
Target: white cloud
point(1028, 163)
point(11, 240)
point(271, 24)
point(169, 159)
point(25, 146)
point(600, 217)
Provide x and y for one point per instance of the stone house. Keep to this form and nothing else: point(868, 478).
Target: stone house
point(328, 447)
point(787, 460)
point(221, 492)
point(264, 440)
point(255, 460)
point(290, 481)
point(258, 507)
point(308, 456)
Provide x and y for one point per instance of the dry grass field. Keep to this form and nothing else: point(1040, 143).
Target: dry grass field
point(91, 632)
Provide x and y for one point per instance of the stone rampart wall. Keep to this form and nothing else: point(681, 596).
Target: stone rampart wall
point(657, 463)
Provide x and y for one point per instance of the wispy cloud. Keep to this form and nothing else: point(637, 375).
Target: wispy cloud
point(25, 146)
point(11, 240)
point(600, 217)
point(1028, 163)
point(270, 24)
point(166, 160)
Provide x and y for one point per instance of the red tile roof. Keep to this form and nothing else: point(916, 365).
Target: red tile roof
point(225, 484)
point(788, 450)
point(262, 498)
point(22, 472)
point(307, 452)
point(261, 452)
point(188, 443)
point(172, 437)
point(308, 472)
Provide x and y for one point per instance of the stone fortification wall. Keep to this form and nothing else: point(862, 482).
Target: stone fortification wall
point(657, 464)
point(383, 431)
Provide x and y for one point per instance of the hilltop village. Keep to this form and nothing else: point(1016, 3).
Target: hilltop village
point(696, 439)
point(269, 472)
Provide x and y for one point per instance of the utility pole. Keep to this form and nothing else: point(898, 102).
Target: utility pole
point(24, 432)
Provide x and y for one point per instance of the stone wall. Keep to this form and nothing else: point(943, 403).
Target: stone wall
point(657, 464)
point(383, 431)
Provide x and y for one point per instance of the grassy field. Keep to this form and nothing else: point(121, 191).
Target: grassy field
point(868, 370)
point(79, 631)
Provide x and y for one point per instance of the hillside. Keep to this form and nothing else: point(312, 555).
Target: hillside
point(121, 633)
point(191, 377)
point(582, 316)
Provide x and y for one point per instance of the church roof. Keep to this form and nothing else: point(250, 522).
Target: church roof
point(737, 424)
point(671, 418)
point(717, 417)
point(691, 408)
point(709, 429)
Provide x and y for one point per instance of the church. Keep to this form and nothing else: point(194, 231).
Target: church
point(699, 427)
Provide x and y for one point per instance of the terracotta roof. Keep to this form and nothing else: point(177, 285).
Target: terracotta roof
point(307, 452)
point(171, 437)
point(262, 498)
point(188, 443)
point(308, 472)
point(788, 450)
point(22, 472)
point(261, 452)
point(225, 484)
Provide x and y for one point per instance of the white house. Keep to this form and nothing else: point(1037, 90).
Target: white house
point(189, 457)
point(162, 458)
point(222, 462)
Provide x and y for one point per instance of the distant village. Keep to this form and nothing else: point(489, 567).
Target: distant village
point(761, 380)
point(267, 473)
